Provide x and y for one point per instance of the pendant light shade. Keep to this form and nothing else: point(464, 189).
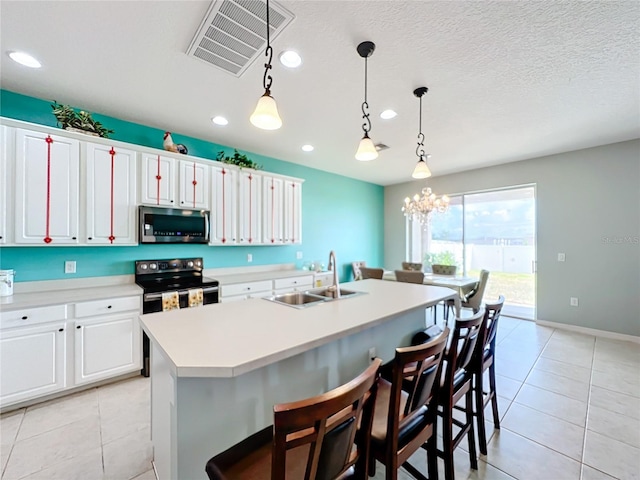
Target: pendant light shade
point(366, 150)
point(265, 116)
point(421, 170)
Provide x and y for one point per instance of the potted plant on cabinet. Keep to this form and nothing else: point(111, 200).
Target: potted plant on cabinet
point(81, 121)
point(238, 159)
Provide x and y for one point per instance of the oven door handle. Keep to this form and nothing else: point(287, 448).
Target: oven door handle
point(154, 296)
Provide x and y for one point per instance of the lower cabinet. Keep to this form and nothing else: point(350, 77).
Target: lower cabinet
point(245, 291)
point(32, 360)
point(106, 347)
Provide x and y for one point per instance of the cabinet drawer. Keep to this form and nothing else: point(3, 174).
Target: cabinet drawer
point(108, 305)
point(323, 279)
point(240, 288)
point(303, 281)
point(32, 316)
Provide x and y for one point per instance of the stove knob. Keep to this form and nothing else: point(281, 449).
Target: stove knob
point(153, 266)
point(198, 263)
point(190, 264)
point(143, 266)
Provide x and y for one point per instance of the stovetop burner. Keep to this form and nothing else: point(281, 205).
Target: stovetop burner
point(173, 274)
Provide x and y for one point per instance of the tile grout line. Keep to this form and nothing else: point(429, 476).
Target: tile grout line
point(13, 442)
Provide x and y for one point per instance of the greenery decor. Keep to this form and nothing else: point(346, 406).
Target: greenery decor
point(68, 119)
point(441, 258)
point(238, 159)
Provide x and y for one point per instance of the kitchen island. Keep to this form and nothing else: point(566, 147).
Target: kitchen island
point(217, 370)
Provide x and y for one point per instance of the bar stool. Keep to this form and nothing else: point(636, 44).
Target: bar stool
point(321, 438)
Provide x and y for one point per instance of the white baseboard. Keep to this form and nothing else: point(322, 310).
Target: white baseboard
point(591, 331)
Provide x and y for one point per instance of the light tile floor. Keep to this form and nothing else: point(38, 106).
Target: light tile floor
point(569, 406)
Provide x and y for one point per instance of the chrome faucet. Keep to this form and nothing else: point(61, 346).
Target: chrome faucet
point(335, 288)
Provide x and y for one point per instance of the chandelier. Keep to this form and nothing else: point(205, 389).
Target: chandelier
point(420, 207)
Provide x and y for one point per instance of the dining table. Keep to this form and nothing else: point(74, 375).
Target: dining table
point(460, 283)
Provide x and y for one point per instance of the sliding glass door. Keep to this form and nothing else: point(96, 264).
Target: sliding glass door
point(491, 230)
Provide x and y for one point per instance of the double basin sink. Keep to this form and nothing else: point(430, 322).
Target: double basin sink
point(311, 297)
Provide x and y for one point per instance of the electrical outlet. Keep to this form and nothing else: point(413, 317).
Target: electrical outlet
point(249, 258)
point(372, 354)
point(298, 255)
point(574, 301)
point(70, 266)
point(561, 257)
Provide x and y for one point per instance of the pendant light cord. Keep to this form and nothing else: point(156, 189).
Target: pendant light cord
point(267, 80)
point(365, 126)
point(420, 148)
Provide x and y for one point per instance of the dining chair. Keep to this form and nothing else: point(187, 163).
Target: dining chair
point(473, 299)
point(414, 267)
point(355, 266)
point(371, 273)
point(409, 276)
point(456, 384)
point(325, 437)
point(484, 358)
point(405, 410)
point(443, 269)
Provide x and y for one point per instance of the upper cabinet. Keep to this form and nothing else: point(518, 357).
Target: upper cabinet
point(224, 205)
point(272, 208)
point(292, 217)
point(194, 185)
point(47, 181)
point(249, 207)
point(110, 189)
point(173, 182)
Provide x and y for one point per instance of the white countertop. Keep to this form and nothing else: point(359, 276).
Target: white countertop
point(35, 299)
point(229, 339)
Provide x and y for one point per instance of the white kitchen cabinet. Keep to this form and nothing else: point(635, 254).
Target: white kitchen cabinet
point(224, 205)
point(32, 361)
point(46, 188)
point(4, 196)
point(245, 291)
point(249, 207)
point(272, 210)
point(110, 177)
point(158, 180)
point(168, 181)
point(292, 284)
point(292, 215)
point(323, 279)
point(107, 338)
point(106, 346)
point(194, 185)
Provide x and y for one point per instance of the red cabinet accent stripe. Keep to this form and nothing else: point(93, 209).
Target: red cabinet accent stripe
point(112, 152)
point(47, 238)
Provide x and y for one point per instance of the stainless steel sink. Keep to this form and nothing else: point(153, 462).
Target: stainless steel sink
point(330, 293)
point(297, 299)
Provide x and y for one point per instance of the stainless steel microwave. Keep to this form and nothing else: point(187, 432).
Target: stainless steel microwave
point(173, 225)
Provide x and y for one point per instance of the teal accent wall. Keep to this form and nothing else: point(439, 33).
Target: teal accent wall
point(338, 213)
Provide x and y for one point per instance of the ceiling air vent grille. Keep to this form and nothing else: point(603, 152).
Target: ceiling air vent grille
point(233, 33)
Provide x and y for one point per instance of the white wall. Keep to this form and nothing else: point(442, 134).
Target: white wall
point(588, 207)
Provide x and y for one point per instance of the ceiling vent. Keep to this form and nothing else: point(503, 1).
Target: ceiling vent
point(233, 33)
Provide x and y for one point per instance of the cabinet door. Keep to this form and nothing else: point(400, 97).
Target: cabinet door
point(158, 180)
point(272, 220)
point(194, 185)
point(4, 210)
point(224, 205)
point(110, 195)
point(32, 362)
point(249, 211)
point(292, 212)
point(46, 188)
point(106, 346)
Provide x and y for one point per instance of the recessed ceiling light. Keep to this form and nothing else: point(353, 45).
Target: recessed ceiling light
point(218, 120)
point(290, 59)
point(387, 114)
point(307, 148)
point(25, 59)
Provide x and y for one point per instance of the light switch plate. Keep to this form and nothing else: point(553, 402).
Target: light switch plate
point(249, 258)
point(70, 266)
point(561, 257)
point(298, 255)
point(573, 301)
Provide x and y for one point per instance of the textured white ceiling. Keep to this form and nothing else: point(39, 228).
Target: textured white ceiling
point(507, 80)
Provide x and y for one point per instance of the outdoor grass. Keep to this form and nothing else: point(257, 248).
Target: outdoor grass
point(518, 288)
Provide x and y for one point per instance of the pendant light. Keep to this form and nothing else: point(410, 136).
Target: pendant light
point(421, 170)
point(265, 116)
point(366, 149)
